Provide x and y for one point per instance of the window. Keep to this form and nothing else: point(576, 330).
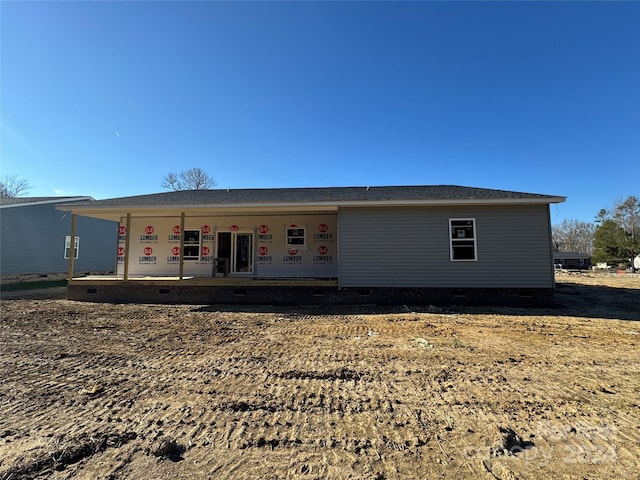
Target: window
point(191, 245)
point(67, 247)
point(462, 233)
point(295, 237)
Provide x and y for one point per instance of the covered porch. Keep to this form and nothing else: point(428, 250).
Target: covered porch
point(219, 246)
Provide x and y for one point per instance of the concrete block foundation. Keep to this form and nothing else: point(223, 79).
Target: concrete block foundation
point(138, 292)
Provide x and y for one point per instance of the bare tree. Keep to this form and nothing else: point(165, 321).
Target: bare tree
point(11, 186)
point(573, 236)
point(193, 179)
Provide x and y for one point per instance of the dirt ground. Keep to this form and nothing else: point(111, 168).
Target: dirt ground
point(105, 391)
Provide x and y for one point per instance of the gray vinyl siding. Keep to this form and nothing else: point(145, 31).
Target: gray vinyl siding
point(32, 240)
point(410, 247)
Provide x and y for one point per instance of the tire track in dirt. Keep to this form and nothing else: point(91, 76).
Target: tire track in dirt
point(252, 395)
point(526, 394)
point(253, 421)
point(83, 446)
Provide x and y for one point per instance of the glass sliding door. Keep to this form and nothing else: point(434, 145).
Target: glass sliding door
point(237, 248)
point(243, 260)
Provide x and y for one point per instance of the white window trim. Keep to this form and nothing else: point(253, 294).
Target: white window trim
point(453, 240)
point(67, 247)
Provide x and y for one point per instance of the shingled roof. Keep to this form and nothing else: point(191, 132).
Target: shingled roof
point(337, 195)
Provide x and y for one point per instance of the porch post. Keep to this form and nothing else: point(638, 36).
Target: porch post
point(127, 243)
point(181, 245)
point(72, 244)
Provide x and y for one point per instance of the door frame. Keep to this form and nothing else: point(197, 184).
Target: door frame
point(234, 251)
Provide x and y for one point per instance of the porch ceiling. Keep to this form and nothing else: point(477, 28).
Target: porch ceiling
point(116, 213)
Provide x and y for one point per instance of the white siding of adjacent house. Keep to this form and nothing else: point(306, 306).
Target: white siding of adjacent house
point(409, 247)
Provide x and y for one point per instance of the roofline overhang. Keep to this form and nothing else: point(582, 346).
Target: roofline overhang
point(115, 210)
point(62, 200)
point(305, 205)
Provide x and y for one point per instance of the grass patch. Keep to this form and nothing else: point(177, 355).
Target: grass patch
point(13, 287)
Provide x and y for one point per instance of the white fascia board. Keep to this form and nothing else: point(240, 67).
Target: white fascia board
point(44, 202)
point(432, 203)
point(307, 205)
point(102, 211)
point(374, 203)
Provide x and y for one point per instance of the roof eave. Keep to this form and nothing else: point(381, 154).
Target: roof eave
point(305, 205)
point(65, 200)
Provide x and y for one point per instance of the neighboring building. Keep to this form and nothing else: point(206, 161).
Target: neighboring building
point(415, 244)
point(35, 238)
point(571, 260)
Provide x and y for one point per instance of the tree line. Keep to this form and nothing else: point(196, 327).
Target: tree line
point(613, 237)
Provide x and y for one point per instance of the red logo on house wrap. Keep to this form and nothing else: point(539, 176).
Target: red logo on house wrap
point(323, 228)
point(148, 251)
point(262, 251)
point(293, 251)
point(205, 251)
point(148, 230)
point(263, 229)
point(322, 250)
point(120, 251)
point(122, 230)
point(206, 229)
point(175, 251)
point(234, 228)
point(176, 229)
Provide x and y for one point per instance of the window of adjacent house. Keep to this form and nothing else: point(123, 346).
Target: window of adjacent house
point(295, 237)
point(462, 233)
point(67, 247)
point(191, 245)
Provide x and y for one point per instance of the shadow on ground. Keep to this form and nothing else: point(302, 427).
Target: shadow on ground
point(585, 301)
point(53, 293)
point(571, 300)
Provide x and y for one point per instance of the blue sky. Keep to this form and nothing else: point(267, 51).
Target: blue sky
point(106, 98)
